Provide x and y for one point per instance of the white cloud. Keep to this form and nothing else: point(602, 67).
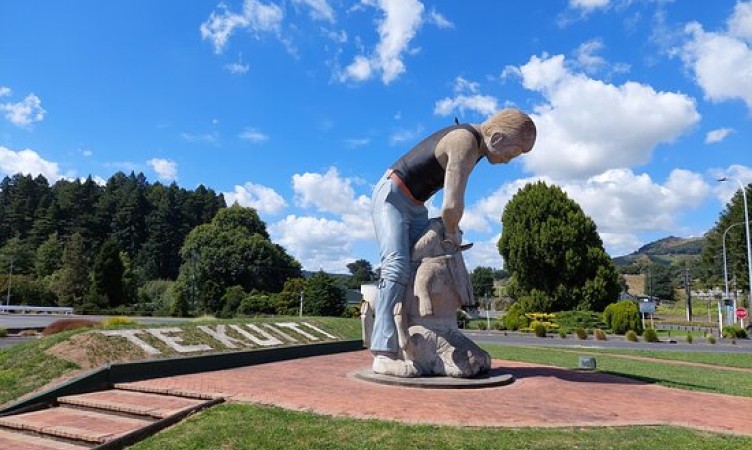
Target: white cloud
point(25, 112)
point(253, 135)
point(587, 6)
point(27, 162)
point(740, 22)
point(256, 17)
point(357, 142)
point(359, 70)
point(398, 26)
point(405, 135)
point(320, 9)
point(620, 202)
point(263, 199)
point(587, 57)
point(206, 138)
point(724, 191)
point(237, 68)
point(588, 126)
point(484, 253)
point(439, 20)
point(5, 91)
point(316, 242)
point(166, 169)
point(329, 192)
point(717, 135)
point(722, 61)
point(467, 97)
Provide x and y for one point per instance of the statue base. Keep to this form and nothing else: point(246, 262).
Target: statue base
point(492, 378)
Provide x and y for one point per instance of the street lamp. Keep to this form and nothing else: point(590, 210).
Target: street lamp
point(725, 267)
point(749, 246)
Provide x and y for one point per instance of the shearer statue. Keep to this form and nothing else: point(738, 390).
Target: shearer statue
point(443, 160)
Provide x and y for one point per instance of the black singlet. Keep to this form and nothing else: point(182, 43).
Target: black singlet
point(420, 170)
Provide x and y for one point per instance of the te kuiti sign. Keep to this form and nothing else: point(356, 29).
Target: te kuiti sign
point(223, 336)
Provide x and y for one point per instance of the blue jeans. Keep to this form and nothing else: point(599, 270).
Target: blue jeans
point(398, 223)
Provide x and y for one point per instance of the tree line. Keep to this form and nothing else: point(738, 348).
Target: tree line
point(134, 246)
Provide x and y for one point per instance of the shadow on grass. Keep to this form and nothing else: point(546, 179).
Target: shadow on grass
point(662, 381)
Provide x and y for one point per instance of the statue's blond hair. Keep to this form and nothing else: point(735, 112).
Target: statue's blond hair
point(514, 125)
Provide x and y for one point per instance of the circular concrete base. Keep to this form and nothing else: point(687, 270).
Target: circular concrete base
point(493, 378)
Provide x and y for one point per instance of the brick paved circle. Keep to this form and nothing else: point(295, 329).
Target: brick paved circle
point(541, 396)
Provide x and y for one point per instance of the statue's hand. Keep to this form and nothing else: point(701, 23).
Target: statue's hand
point(454, 238)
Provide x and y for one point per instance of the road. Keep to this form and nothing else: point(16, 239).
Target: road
point(614, 342)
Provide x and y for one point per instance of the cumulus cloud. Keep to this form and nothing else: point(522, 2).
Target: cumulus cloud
point(263, 199)
point(400, 22)
point(717, 135)
point(253, 135)
point(23, 113)
point(587, 126)
point(317, 243)
point(620, 202)
point(27, 162)
point(166, 169)
point(319, 9)
point(722, 61)
point(256, 17)
point(484, 253)
point(325, 242)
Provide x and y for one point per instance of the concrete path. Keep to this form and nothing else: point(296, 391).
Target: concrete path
point(541, 396)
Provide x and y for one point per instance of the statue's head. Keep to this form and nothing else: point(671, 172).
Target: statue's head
point(508, 134)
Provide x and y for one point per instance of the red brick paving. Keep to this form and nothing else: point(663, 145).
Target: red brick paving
point(18, 441)
point(76, 424)
point(541, 396)
point(157, 406)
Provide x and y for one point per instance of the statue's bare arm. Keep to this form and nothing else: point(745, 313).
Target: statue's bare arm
point(457, 152)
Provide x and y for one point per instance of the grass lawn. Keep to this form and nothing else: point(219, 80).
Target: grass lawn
point(741, 360)
point(672, 375)
point(236, 426)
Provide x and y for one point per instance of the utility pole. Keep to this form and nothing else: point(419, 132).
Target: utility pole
point(300, 313)
point(688, 290)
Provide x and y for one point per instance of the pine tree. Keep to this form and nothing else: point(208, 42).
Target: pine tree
point(72, 280)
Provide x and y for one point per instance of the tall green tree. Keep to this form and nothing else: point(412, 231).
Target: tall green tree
point(361, 272)
point(231, 250)
point(72, 280)
point(553, 249)
point(730, 222)
point(483, 282)
point(323, 296)
point(107, 289)
point(49, 256)
point(20, 254)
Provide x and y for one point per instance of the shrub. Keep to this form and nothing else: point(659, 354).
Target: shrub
point(622, 317)
point(711, 339)
point(569, 321)
point(3, 332)
point(581, 333)
point(689, 338)
point(515, 318)
point(650, 335)
point(600, 335)
point(734, 331)
point(68, 324)
point(631, 336)
point(562, 335)
point(539, 329)
point(117, 321)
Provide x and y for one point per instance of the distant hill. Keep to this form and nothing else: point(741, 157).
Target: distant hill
point(665, 251)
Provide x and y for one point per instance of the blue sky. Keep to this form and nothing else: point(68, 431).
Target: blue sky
point(297, 107)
